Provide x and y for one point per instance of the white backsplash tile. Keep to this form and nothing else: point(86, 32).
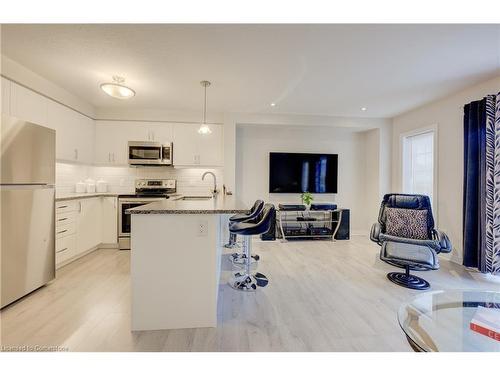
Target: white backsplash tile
point(122, 179)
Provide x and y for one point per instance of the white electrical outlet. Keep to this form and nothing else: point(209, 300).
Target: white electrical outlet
point(202, 228)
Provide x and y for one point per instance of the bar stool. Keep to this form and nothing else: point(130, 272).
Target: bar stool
point(237, 258)
point(244, 280)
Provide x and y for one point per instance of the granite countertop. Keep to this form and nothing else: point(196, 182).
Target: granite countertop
point(70, 196)
point(219, 205)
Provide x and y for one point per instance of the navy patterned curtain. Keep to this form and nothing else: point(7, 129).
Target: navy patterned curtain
point(481, 214)
point(473, 223)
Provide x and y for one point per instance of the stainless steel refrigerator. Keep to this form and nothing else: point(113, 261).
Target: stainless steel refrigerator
point(27, 221)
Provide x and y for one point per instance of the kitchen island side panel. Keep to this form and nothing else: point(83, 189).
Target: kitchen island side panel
point(174, 271)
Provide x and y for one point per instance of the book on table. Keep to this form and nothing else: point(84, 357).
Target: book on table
point(486, 321)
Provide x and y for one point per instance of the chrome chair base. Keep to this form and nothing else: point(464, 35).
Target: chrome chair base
point(245, 282)
point(240, 260)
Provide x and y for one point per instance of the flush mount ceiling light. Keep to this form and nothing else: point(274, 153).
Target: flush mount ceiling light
point(117, 89)
point(273, 104)
point(204, 128)
point(363, 109)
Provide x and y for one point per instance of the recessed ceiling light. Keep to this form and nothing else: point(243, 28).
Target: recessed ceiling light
point(363, 109)
point(273, 104)
point(117, 89)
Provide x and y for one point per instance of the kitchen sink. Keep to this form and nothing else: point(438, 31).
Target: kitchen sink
point(196, 198)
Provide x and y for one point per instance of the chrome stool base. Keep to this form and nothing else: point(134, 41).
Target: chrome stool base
point(240, 260)
point(248, 283)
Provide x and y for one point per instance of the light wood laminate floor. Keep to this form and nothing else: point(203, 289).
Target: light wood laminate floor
point(322, 296)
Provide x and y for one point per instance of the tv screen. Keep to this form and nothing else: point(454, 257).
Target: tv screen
point(297, 173)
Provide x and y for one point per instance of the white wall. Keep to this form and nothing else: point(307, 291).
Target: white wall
point(447, 114)
point(372, 176)
point(253, 144)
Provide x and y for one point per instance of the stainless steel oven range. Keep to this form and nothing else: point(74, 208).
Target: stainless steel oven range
point(146, 191)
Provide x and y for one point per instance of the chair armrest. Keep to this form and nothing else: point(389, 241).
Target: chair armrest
point(432, 243)
point(444, 241)
point(375, 233)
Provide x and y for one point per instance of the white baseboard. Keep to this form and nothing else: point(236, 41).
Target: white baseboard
point(109, 245)
point(82, 254)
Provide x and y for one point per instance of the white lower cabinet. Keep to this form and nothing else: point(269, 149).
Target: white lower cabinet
point(109, 220)
point(84, 224)
point(89, 220)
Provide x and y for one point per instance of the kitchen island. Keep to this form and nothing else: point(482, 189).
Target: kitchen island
point(176, 248)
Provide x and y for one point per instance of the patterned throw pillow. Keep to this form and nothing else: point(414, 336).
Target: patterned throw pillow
point(407, 223)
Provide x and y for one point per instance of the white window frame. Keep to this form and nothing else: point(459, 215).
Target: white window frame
point(402, 137)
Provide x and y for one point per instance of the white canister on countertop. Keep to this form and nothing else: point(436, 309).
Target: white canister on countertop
point(80, 187)
point(101, 186)
point(90, 185)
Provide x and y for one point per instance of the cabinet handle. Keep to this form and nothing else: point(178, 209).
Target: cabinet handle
point(60, 251)
point(62, 231)
point(62, 206)
point(76, 154)
point(113, 157)
point(109, 156)
point(64, 218)
point(80, 207)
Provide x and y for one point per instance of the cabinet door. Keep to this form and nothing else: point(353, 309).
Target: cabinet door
point(88, 230)
point(111, 145)
point(64, 122)
point(85, 140)
point(5, 92)
point(109, 220)
point(28, 105)
point(185, 150)
point(160, 132)
point(210, 147)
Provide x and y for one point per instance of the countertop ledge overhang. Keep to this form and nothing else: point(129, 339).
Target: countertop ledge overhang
point(217, 205)
point(71, 196)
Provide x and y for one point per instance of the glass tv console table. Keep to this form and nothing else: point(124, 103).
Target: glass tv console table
point(308, 224)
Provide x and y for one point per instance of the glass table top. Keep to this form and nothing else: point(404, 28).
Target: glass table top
point(453, 321)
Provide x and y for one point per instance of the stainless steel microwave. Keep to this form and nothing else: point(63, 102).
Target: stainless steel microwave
point(149, 153)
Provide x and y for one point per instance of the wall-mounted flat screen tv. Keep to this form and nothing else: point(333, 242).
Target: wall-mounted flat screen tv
point(299, 172)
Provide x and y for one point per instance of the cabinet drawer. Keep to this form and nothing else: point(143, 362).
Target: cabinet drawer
point(65, 230)
point(67, 206)
point(65, 248)
point(63, 218)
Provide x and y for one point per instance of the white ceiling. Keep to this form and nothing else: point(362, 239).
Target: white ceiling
point(306, 69)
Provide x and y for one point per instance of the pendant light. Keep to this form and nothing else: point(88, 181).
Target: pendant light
point(204, 128)
point(117, 89)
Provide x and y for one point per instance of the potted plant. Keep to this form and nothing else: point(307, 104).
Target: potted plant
point(307, 199)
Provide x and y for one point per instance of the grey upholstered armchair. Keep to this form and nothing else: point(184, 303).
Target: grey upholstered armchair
point(405, 231)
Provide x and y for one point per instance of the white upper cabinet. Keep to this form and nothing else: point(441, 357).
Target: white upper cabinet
point(28, 105)
point(86, 141)
point(159, 131)
point(5, 96)
point(75, 134)
point(194, 149)
point(61, 119)
point(111, 146)
point(210, 147)
point(112, 138)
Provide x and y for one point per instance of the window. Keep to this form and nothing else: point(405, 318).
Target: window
point(418, 156)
